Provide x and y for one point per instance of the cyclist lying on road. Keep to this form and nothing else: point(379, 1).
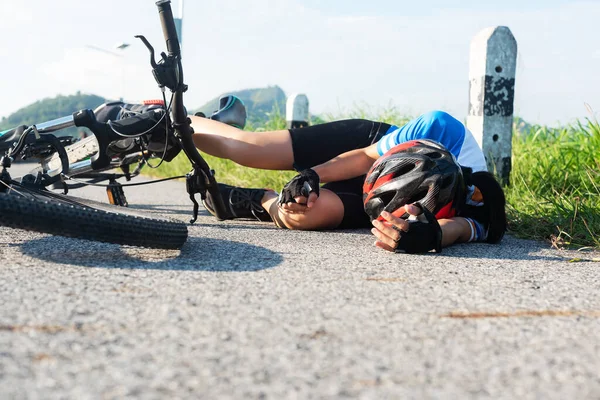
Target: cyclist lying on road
point(340, 153)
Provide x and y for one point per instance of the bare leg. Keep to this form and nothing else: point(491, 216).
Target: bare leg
point(264, 150)
point(327, 213)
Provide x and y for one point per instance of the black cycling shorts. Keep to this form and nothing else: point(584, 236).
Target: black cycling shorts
point(314, 145)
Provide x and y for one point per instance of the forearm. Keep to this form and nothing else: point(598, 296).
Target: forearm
point(454, 230)
point(348, 165)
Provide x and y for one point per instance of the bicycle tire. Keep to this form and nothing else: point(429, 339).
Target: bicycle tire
point(50, 215)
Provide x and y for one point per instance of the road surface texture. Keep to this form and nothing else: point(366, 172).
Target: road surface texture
point(248, 311)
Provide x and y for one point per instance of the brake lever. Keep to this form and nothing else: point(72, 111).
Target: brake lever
point(166, 71)
point(196, 183)
point(149, 47)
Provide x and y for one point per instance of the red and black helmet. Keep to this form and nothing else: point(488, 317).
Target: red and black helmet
point(417, 170)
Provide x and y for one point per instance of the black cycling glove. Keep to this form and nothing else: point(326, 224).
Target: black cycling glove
point(301, 185)
point(424, 234)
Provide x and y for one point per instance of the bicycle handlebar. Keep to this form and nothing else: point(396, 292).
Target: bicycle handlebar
point(168, 27)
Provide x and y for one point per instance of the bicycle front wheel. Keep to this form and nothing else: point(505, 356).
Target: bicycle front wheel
point(65, 216)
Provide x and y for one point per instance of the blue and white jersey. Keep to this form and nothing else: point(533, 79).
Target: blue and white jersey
point(443, 128)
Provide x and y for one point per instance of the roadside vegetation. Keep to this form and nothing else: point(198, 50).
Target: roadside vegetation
point(555, 185)
point(554, 191)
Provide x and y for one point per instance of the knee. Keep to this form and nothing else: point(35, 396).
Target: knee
point(327, 213)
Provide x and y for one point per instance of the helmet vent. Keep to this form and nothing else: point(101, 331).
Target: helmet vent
point(419, 196)
point(387, 197)
point(448, 180)
point(434, 155)
point(405, 169)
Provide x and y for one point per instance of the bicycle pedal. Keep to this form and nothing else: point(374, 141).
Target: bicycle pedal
point(116, 194)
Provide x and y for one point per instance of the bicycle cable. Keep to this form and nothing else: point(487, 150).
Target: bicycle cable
point(135, 135)
point(167, 111)
point(11, 188)
point(17, 147)
point(124, 184)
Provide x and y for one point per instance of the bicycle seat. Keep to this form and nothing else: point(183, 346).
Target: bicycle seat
point(7, 138)
point(231, 112)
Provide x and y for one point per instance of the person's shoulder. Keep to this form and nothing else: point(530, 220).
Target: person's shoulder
point(470, 154)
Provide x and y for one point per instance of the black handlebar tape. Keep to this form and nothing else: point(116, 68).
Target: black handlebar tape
point(168, 27)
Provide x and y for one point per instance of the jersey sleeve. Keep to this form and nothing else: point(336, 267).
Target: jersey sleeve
point(436, 125)
point(394, 137)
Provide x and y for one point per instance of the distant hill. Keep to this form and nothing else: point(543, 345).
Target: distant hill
point(51, 108)
point(259, 102)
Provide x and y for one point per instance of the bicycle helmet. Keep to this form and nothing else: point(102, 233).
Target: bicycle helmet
point(421, 171)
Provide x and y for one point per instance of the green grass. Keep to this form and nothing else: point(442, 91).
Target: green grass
point(555, 185)
point(555, 180)
point(227, 171)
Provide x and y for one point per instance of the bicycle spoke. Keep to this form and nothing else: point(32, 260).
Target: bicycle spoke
point(40, 193)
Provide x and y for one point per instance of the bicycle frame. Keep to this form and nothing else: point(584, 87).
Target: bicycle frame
point(168, 73)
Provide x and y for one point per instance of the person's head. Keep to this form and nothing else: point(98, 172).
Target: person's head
point(421, 171)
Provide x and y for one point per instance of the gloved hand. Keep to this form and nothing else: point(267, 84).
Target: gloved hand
point(306, 182)
point(424, 234)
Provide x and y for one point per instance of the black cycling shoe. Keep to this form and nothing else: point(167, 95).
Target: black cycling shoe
point(240, 203)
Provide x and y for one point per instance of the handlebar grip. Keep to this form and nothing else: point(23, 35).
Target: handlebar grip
point(168, 27)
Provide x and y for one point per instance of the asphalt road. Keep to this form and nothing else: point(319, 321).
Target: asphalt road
point(245, 310)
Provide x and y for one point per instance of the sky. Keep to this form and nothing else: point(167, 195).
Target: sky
point(343, 55)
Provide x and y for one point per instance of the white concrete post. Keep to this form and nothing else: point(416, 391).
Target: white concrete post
point(492, 71)
point(296, 111)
